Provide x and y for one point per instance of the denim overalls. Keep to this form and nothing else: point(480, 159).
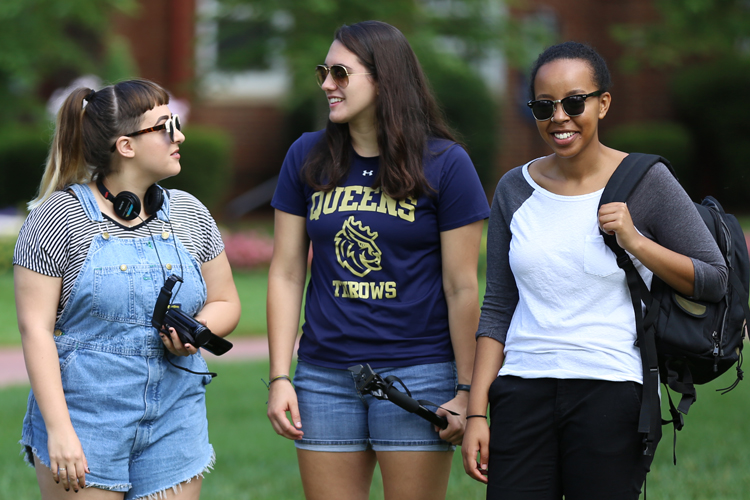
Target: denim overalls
point(141, 422)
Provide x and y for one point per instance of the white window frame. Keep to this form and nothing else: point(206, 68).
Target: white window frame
point(218, 85)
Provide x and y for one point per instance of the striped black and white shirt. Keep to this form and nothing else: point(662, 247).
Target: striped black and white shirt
point(56, 236)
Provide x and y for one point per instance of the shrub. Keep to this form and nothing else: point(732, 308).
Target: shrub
point(469, 108)
point(7, 244)
point(23, 154)
point(206, 165)
point(706, 100)
point(205, 160)
point(668, 139)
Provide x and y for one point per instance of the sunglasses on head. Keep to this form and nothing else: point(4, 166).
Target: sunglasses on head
point(573, 105)
point(338, 72)
point(172, 124)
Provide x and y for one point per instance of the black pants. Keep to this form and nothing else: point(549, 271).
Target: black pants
point(576, 439)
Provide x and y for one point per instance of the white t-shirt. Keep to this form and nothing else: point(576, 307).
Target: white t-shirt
point(555, 296)
point(568, 283)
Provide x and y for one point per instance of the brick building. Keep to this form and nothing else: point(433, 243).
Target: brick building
point(168, 39)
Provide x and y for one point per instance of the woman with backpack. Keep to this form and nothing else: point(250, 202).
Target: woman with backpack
point(117, 407)
point(394, 210)
point(556, 359)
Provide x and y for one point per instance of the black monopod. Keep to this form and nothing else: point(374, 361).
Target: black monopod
point(369, 382)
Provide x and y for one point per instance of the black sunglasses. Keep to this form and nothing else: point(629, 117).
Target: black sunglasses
point(573, 105)
point(170, 125)
point(338, 72)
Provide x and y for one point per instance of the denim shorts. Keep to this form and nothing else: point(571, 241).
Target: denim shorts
point(338, 418)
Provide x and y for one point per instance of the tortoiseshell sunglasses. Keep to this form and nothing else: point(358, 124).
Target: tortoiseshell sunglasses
point(172, 124)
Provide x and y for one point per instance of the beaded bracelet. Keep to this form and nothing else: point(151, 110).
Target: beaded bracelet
point(476, 416)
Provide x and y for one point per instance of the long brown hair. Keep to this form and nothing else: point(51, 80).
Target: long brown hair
point(406, 111)
point(80, 149)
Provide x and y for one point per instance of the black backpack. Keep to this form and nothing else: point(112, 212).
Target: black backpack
point(685, 341)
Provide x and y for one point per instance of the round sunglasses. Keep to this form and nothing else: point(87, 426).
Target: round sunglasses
point(172, 124)
point(573, 105)
point(338, 72)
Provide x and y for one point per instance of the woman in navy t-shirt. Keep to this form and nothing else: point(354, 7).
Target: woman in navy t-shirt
point(393, 208)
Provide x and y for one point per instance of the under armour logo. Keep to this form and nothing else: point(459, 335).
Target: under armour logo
point(367, 172)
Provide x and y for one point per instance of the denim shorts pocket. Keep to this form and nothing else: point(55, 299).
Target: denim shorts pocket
point(598, 259)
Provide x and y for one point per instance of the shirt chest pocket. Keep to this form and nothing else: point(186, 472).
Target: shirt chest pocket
point(598, 259)
point(125, 293)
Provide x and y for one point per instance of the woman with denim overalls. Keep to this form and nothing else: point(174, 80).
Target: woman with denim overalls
point(113, 408)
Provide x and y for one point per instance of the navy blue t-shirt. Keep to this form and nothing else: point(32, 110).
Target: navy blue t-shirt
point(376, 292)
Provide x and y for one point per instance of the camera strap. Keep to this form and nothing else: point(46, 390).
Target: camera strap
point(213, 374)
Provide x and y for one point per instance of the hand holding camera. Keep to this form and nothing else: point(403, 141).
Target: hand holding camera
point(188, 329)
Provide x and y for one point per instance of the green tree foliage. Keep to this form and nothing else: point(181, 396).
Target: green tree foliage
point(686, 30)
point(452, 38)
point(49, 42)
point(706, 45)
point(718, 127)
point(304, 28)
point(669, 139)
point(23, 151)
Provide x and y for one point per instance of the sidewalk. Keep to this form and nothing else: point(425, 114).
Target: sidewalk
point(13, 368)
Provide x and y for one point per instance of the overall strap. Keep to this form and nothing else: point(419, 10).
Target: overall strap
point(620, 186)
point(163, 213)
point(88, 201)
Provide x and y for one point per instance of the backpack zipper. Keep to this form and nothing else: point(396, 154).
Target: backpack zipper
point(727, 254)
point(715, 336)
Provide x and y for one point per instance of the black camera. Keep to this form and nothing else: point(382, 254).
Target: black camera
point(188, 329)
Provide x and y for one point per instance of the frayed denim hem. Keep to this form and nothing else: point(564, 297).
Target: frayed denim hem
point(177, 488)
point(121, 488)
point(25, 453)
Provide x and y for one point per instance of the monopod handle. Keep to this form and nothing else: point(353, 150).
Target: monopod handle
point(412, 406)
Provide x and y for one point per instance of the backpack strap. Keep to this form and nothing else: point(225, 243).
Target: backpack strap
point(620, 186)
point(628, 175)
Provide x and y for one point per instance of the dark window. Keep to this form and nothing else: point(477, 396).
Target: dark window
point(243, 45)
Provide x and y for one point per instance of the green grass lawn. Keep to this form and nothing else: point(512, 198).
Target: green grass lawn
point(254, 463)
point(251, 285)
point(8, 322)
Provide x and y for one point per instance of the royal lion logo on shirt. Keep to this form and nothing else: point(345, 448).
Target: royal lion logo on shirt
point(356, 249)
